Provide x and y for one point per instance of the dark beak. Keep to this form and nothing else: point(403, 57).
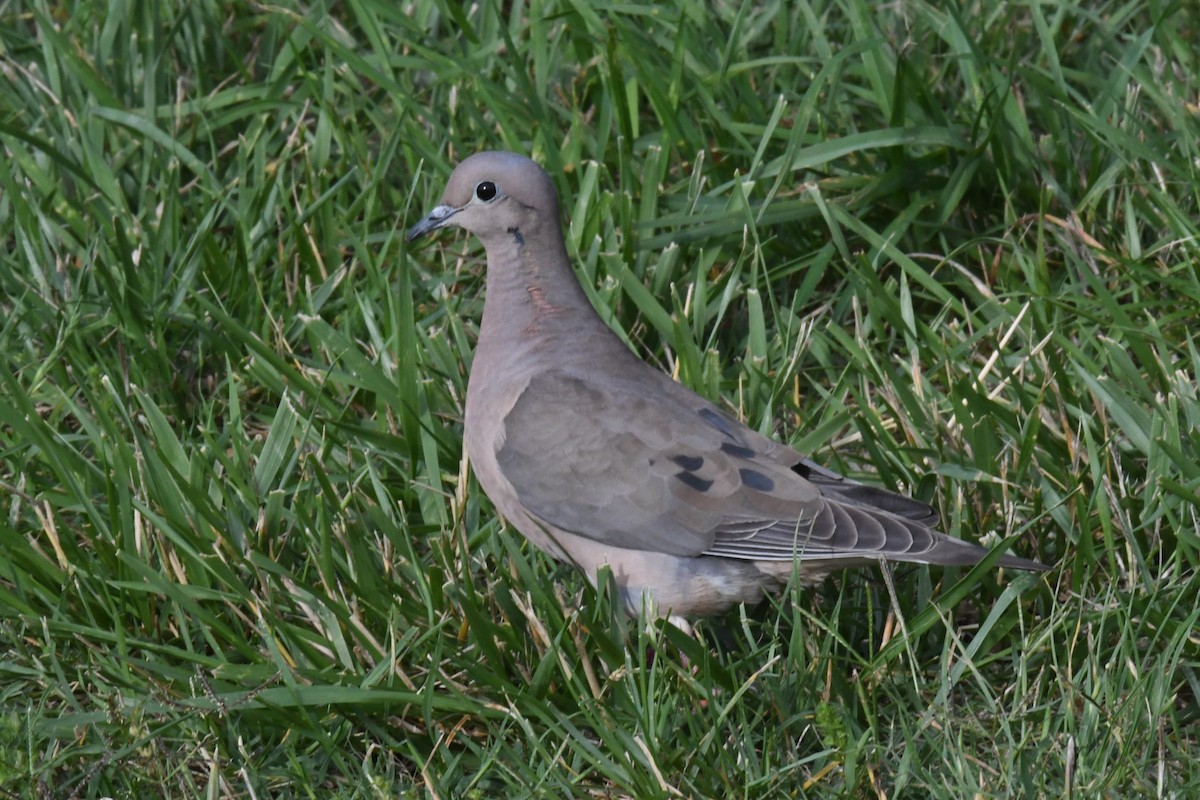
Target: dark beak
point(439, 217)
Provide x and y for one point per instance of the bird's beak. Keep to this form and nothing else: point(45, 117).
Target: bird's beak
point(439, 217)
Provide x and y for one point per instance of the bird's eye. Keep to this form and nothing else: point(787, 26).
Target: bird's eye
point(485, 191)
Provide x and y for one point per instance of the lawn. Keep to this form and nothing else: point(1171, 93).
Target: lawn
point(948, 248)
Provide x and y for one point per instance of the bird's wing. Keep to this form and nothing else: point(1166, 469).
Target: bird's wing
point(668, 472)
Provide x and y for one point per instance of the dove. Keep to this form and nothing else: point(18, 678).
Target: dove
point(602, 460)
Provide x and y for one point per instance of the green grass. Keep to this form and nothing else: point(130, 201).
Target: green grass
point(950, 248)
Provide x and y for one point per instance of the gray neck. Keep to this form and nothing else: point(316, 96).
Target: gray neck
point(536, 304)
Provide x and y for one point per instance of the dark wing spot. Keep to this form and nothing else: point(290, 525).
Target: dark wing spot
point(756, 480)
point(736, 450)
point(694, 481)
point(718, 421)
point(691, 463)
point(802, 470)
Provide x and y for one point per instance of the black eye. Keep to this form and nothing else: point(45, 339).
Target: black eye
point(485, 191)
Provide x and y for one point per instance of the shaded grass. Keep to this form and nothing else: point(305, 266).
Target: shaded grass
point(950, 249)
